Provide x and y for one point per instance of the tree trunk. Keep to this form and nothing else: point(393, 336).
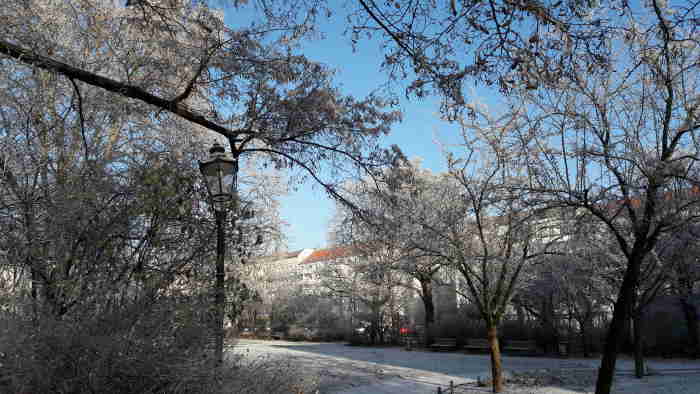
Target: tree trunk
point(584, 339)
point(427, 298)
point(381, 328)
point(547, 322)
point(394, 321)
point(219, 290)
point(351, 320)
point(638, 351)
point(373, 327)
point(496, 368)
point(616, 331)
point(520, 312)
point(35, 294)
point(691, 320)
point(395, 328)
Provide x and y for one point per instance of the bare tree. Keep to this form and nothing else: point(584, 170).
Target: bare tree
point(177, 60)
point(585, 291)
point(619, 143)
point(439, 44)
point(485, 230)
point(653, 279)
point(410, 193)
point(492, 247)
point(384, 219)
point(443, 45)
point(366, 280)
point(87, 219)
point(679, 252)
point(247, 86)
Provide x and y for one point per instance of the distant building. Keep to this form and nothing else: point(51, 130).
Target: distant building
point(271, 275)
point(303, 270)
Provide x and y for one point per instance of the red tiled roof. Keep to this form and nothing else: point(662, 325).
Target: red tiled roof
point(331, 254)
point(636, 202)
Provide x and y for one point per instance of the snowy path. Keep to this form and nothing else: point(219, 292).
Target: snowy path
point(354, 370)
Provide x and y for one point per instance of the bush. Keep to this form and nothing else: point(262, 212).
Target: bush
point(296, 333)
point(356, 339)
point(157, 349)
point(116, 353)
point(330, 334)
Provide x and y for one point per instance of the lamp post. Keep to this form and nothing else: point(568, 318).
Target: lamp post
point(220, 172)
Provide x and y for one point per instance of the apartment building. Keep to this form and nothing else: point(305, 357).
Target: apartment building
point(272, 275)
point(311, 270)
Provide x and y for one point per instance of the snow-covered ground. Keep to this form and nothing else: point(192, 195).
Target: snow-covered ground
point(355, 370)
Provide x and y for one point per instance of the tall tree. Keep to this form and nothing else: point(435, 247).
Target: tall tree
point(410, 191)
point(653, 278)
point(486, 231)
point(366, 280)
point(491, 234)
point(619, 142)
point(177, 59)
point(384, 221)
point(91, 209)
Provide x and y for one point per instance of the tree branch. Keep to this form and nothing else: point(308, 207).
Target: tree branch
point(28, 57)
point(82, 119)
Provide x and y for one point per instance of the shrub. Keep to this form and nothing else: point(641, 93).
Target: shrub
point(296, 333)
point(158, 348)
point(122, 352)
point(356, 339)
point(330, 334)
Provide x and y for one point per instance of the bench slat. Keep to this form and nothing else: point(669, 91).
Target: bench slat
point(444, 343)
point(478, 343)
point(483, 344)
point(521, 345)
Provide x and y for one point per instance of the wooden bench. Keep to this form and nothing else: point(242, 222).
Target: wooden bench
point(444, 344)
point(477, 344)
point(520, 346)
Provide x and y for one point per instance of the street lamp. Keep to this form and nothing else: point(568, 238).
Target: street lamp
point(219, 175)
point(220, 172)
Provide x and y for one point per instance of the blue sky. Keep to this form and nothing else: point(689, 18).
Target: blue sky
point(307, 211)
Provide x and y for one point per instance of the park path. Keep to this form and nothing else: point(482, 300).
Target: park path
point(354, 370)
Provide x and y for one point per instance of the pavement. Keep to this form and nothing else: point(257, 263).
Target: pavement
point(346, 369)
